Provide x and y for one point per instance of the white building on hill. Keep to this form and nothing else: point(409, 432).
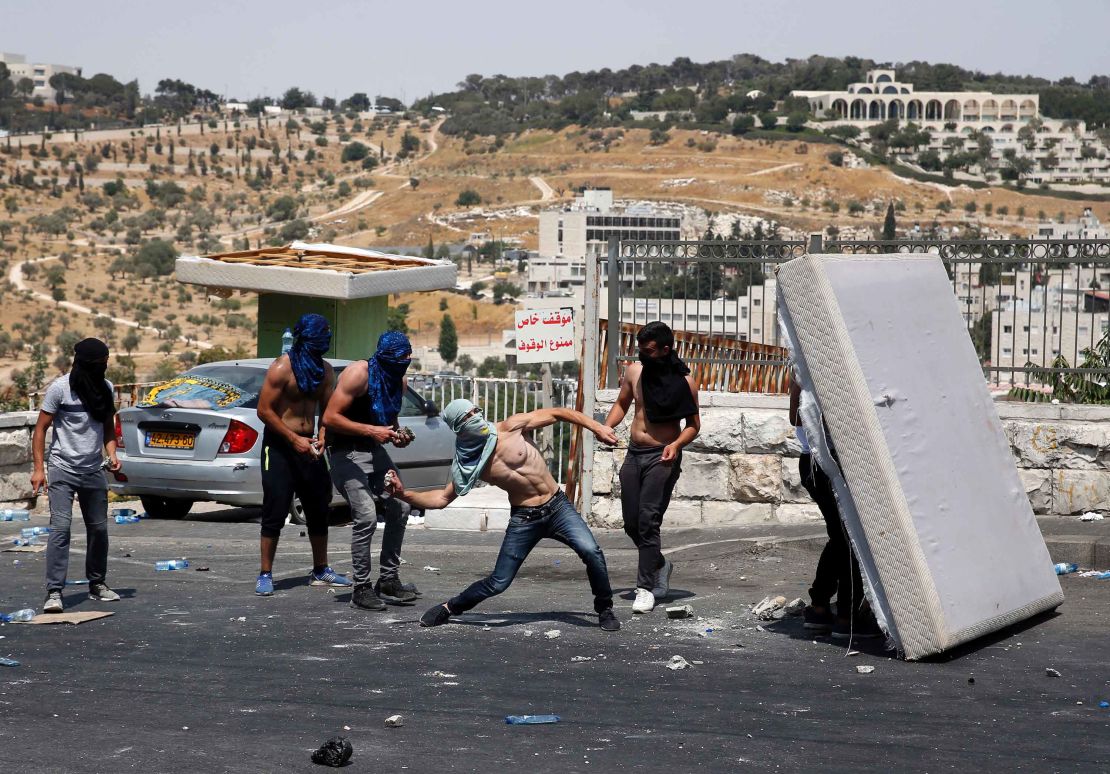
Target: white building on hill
point(882, 97)
point(19, 68)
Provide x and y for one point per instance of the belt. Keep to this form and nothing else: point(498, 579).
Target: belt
point(537, 512)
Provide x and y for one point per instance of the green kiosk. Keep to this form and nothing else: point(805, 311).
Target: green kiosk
point(347, 285)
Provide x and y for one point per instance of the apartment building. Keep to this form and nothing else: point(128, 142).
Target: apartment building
point(19, 68)
point(581, 230)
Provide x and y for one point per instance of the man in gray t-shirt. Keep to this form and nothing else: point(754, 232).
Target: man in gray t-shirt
point(80, 407)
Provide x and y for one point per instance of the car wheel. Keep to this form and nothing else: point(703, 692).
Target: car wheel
point(165, 507)
point(296, 511)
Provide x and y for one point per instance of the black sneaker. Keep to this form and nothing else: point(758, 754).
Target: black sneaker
point(663, 580)
point(863, 628)
point(364, 597)
point(391, 591)
point(411, 588)
point(818, 622)
point(436, 616)
point(609, 621)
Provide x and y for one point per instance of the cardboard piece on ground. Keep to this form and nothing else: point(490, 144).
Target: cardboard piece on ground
point(70, 618)
point(25, 549)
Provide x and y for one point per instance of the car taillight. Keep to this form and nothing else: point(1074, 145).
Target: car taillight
point(119, 433)
point(239, 438)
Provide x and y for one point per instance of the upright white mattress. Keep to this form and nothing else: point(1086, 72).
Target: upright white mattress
point(948, 544)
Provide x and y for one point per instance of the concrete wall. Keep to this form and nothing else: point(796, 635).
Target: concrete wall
point(15, 458)
point(743, 468)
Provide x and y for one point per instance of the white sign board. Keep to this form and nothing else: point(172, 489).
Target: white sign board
point(545, 336)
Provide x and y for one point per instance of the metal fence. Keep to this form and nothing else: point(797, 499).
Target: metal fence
point(1034, 308)
point(501, 398)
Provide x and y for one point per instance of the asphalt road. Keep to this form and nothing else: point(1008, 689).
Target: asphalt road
point(194, 673)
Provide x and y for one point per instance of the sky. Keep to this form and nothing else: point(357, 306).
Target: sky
point(247, 48)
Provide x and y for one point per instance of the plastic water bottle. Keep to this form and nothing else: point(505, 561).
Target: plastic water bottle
point(15, 514)
point(26, 614)
point(124, 512)
point(19, 541)
point(30, 532)
point(126, 519)
point(286, 341)
point(170, 564)
point(9, 662)
point(1063, 568)
point(529, 720)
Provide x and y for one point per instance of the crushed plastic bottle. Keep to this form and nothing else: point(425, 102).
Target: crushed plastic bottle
point(9, 662)
point(170, 564)
point(125, 512)
point(15, 514)
point(26, 614)
point(286, 341)
point(125, 519)
point(1064, 568)
point(530, 720)
point(26, 541)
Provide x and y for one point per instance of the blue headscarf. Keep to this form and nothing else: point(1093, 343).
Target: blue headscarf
point(311, 339)
point(385, 373)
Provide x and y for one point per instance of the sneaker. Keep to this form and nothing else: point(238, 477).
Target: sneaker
point(53, 603)
point(436, 616)
point(364, 598)
point(817, 622)
point(99, 592)
point(265, 585)
point(863, 628)
point(411, 587)
point(645, 601)
point(663, 580)
point(391, 591)
point(328, 577)
point(608, 620)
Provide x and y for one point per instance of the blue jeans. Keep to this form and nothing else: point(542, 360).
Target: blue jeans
point(556, 519)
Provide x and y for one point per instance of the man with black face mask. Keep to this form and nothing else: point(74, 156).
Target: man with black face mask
point(665, 395)
point(80, 407)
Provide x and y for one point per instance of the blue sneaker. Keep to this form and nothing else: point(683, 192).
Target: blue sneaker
point(328, 577)
point(265, 585)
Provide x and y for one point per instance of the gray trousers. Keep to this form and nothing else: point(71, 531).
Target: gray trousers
point(359, 474)
point(91, 491)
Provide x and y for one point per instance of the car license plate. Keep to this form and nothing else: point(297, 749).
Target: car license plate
point(160, 440)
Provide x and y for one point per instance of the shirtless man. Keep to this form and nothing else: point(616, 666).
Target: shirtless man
point(664, 394)
point(501, 455)
point(298, 384)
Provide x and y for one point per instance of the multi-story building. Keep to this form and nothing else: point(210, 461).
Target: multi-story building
point(581, 230)
point(1087, 227)
point(19, 68)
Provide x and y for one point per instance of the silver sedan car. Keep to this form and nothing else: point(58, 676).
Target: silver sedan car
point(173, 457)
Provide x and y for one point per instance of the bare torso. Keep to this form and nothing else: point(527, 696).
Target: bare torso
point(297, 410)
point(645, 433)
point(517, 467)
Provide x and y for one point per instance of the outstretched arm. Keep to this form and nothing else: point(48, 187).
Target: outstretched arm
point(433, 501)
point(534, 420)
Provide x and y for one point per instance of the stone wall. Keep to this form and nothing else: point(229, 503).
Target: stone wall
point(743, 468)
point(15, 458)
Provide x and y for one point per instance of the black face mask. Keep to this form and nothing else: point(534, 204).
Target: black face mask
point(648, 360)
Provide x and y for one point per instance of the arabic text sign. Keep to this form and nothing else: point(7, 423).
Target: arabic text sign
point(545, 336)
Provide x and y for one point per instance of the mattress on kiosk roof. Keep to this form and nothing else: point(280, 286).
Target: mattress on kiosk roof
point(926, 485)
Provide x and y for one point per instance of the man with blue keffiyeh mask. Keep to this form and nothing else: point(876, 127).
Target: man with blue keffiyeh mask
point(298, 384)
point(361, 418)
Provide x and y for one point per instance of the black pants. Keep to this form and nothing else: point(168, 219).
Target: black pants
point(837, 570)
point(285, 473)
point(646, 486)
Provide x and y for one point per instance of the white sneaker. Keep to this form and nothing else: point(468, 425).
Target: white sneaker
point(645, 601)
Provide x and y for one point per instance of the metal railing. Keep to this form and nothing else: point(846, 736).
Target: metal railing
point(501, 398)
point(1029, 304)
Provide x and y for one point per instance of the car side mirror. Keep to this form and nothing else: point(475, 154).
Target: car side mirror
point(431, 409)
